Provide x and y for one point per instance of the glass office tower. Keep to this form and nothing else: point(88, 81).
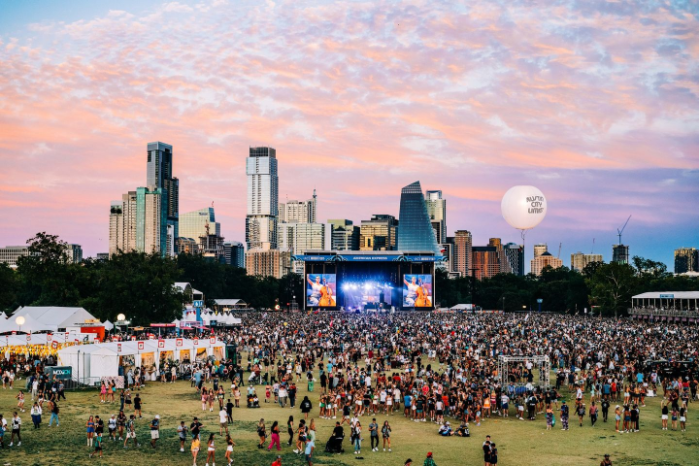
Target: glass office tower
point(415, 232)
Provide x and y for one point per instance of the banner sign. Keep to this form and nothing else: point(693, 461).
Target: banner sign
point(161, 344)
point(49, 338)
point(667, 296)
point(179, 342)
point(141, 345)
point(29, 338)
point(212, 340)
point(195, 341)
point(60, 372)
point(54, 345)
point(198, 303)
point(118, 347)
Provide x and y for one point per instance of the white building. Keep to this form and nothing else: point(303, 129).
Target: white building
point(299, 211)
point(194, 224)
point(262, 198)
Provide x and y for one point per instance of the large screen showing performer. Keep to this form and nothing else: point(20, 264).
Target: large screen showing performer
point(321, 290)
point(417, 290)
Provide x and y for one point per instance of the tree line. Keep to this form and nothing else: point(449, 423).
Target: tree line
point(141, 286)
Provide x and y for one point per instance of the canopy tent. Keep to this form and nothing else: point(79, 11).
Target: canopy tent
point(92, 362)
point(54, 317)
point(681, 305)
point(108, 326)
point(30, 325)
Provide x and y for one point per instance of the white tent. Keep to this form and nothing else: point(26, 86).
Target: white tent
point(108, 326)
point(53, 317)
point(92, 362)
point(30, 325)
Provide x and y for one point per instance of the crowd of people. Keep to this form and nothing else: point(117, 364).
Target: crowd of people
point(429, 368)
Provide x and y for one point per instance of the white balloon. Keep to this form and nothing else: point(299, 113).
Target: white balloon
point(523, 207)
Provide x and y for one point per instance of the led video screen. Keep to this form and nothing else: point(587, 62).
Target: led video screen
point(321, 290)
point(417, 290)
point(361, 293)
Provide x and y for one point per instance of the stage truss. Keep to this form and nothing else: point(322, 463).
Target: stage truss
point(539, 362)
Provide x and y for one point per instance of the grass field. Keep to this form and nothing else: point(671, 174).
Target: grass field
point(519, 442)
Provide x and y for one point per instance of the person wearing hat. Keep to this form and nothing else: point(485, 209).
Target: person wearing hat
point(154, 430)
point(606, 461)
point(278, 461)
point(429, 461)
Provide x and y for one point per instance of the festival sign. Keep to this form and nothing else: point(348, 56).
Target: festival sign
point(195, 341)
point(179, 342)
point(212, 340)
point(161, 344)
point(141, 345)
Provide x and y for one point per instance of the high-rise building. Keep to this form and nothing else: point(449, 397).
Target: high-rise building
point(263, 199)
point(129, 212)
point(502, 257)
point(437, 211)
point(515, 257)
point(159, 175)
point(299, 211)
point(378, 234)
point(539, 249)
point(415, 232)
point(199, 223)
point(462, 252)
point(74, 253)
point(578, 260)
point(116, 228)
point(265, 262)
point(10, 254)
point(486, 261)
point(345, 235)
point(620, 253)
point(686, 260)
point(153, 233)
point(102, 256)
point(234, 254)
point(545, 260)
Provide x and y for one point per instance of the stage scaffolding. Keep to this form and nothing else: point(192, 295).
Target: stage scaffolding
point(539, 362)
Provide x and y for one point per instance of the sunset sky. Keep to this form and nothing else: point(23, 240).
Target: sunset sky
point(594, 102)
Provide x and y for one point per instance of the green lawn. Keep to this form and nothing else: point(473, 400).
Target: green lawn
point(519, 442)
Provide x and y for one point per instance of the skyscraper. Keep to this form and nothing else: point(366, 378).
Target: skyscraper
point(345, 235)
point(437, 211)
point(378, 234)
point(620, 253)
point(415, 232)
point(116, 228)
point(686, 260)
point(298, 211)
point(515, 257)
point(486, 261)
point(234, 254)
point(263, 198)
point(194, 224)
point(154, 234)
point(539, 249)
point(502, 257)
point(579, 261)
point(462, 252)
point(160, 176)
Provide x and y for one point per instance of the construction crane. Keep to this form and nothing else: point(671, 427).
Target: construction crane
point(593, 246)
point(559, 249)
point(619, 232)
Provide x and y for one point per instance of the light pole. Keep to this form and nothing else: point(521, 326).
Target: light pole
point(20, 321)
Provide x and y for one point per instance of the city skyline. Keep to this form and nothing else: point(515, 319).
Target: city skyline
point(614, 132)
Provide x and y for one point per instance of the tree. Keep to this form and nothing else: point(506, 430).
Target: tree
point(9, 288)
point(611, 287)
point(141, 286)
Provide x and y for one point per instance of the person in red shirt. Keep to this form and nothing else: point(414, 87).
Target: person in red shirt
point(278, 461)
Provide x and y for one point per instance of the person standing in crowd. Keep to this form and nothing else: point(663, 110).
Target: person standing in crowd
point(593, 414)
point(261, 433)
point(131, 431)
point(374, 434)
point(229, 411)
point(606, 461)
point(310, 448)
point(386, 434)
point(274, 435)
point(290, 430)
point(182, 434)
point(53, 405)
point(154, 430)
point(98, 445)
point(137, 405)
point(229, 449)
point(357, 438)
point(3, 428)
point(196, 445)
point(565, 412)
point(112, 426)
point(223, 421)
point(36, 415)
point(211, 450)
point(90, 429)
point(16, 425)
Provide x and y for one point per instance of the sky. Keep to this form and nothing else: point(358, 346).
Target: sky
point(594, 102)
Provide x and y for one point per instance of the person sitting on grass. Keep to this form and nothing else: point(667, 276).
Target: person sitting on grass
point(446, 430)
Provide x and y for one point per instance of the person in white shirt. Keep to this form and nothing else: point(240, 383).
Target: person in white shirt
point(36, 415)
point(16, 424)
point(223, 421)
